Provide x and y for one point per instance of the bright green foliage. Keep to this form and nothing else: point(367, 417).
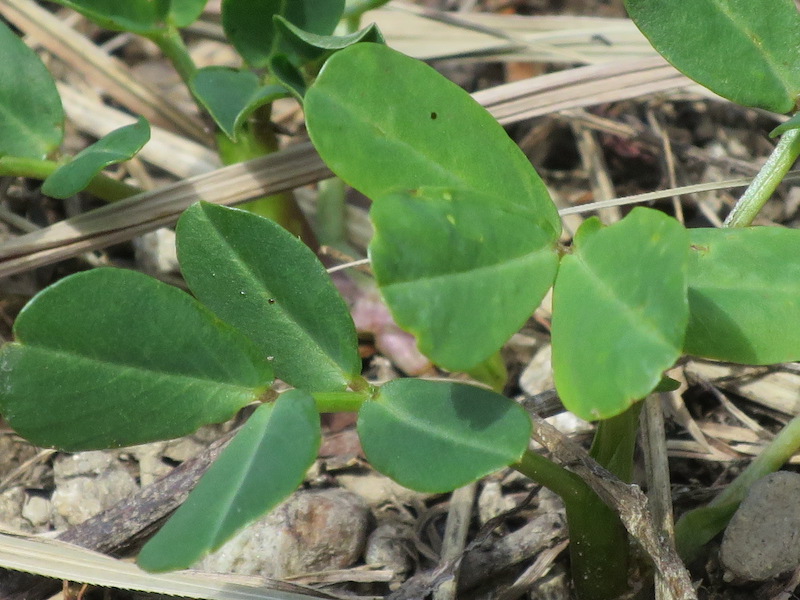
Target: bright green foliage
point(183, 13)
point(110, 358)
point(744, 295)
point(312, 47)
point(461, 270)
point(230, 96)
point(619, 312)
point(290, 76)
point(118, 146)
point(745, 50)
point(250, 28)
point(257, 276)
point(261, 467)
point(31, 116)
point(435, 436)
point(385, 122)
point(137, 16)
point(793, 123)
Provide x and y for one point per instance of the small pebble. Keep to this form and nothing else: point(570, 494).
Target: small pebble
point(312, 531)
point(391, 546)
point(763, 538)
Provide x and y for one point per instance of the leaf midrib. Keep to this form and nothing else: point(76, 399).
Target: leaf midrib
point(288, 317)
point(740, 26)
point(638, 319)
point(75, 356)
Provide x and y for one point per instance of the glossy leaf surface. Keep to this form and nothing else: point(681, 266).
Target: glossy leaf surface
point(745, 50)
point(744, 295)
point(435, 436)
point(461, 270)
point(261, 467)
point(137, 16)
point(311, 47)
point(31, 116)
point(426, 132)
point(619, 312)
point(110, 357)
point(250, 28)
point(260, 278)
point(118, 146)
point(288, 75)
point(231, 96)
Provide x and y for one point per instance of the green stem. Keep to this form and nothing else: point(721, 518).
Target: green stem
point(171, 43)
point(101, 186)
point(699, 526)
point(598, 540)
point(555, 478)
point(258, 139)
point(331, 213)
point(771, 174)
point(328, 402)
point(615, 441)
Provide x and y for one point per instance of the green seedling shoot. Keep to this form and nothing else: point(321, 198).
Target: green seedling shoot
point(466, 246)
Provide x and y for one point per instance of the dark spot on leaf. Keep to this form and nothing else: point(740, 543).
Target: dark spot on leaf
point(434, 116)
point(271, 301)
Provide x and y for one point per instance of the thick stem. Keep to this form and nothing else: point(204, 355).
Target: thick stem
point(170, 42)
point(328, 402)
point(258, 139)
point(598, 540)
point(771, 174)
point(699, 526)
point(101, 186)
point(615, 441)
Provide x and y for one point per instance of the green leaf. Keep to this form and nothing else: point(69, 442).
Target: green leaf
point(619, 312)
point(183, 13)
point(118, 146)
point(745, 50)
point(260, 278)
point(109, 358)
point(435, 436)
point(263, 465)
point(31, 116)
point(250, 28)
point(744, 295)
point(137, 16)
point(793, 123)
point(288, 75)
point(385, 122)
point(461, 270)
point(312, 47)
point(231, 96)
point(667, 384)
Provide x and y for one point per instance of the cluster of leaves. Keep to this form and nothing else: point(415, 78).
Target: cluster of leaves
point(623, 296)
point(466, 247)
point(291, 39)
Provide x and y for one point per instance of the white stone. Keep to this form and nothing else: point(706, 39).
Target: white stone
point(312, 531)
